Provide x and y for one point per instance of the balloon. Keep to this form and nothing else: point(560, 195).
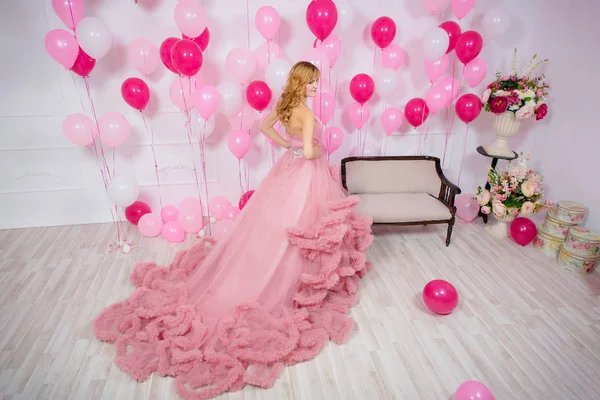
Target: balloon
point(436, 98)
point(435, 44)
point(207, 127)
point(359, 114)
point(393, 57)
point(474, 72)
point(267, 22)
point(258, 95)
point(150, 225)
point(462, 7)
point(217, 206)
point(333, 137)
point(468, 107)
point(436, 69)
point(93, 37)
point(223, 228)
point(183, 99)
point(362, 88)
point(244, 199)
point(186, 57)
point(240, 64)
point(123, 190)
point(435, 6)
point(190, 215)
point(369, 149)
point(190, 18)
point(267, 53)
point(317, 57)
point(137, 210)
point(468, 46)
point(79, 129)
point(239, 143)
point(143, 55)
point(70, 12)
point(84, 64)
point(206, 100)
point(232, 213)
point(62, 46)
point(114, 129)
point(391, 120)
point(276, 74)
point(169, 213)
point(386, 82)
point(332, 47)
point(440, 296)
point(165, 53)
point(473, 390)
point(416, 111)
point(523, 231)
point(201, 40)
point(467, 207)
point(324, 107)
point(135, 92)
point(452, 87)
point(453, 31)
point(244, 119)
point(173, 232)
point(230, 98)
point(495, 22)
point(321, 18)
point(383, 32)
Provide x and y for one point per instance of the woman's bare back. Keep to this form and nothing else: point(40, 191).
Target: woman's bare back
point(294, 127)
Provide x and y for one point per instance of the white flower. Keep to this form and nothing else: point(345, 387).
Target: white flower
point(527, 208)
point(528, 188)
point(524, 112)
point(531, 103)
point(501, 93)
point(484, 197)
point(486, 96)
point(527, 93)
point(499, 209)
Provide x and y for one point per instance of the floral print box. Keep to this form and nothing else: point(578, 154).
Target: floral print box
point(570, 212)
point(582, 242)
point(546, 243)
point(572, 262)
point(556, 227)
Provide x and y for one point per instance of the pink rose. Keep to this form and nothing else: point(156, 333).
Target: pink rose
point(527, 208)
point(524, 112)
point(541, 112)
point(499, 209)
point(528, 188)
point(486, 210)
point(484, 197)
point(486, 96)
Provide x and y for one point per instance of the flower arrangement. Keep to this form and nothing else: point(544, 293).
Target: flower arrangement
point(518, 93)
point(516, 190)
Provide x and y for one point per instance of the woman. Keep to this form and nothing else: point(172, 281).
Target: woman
point(271, 293)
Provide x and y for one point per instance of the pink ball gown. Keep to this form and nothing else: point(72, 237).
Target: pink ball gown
point(271, 293)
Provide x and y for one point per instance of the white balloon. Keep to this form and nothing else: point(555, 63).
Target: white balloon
point(345, 13)
point(93, 37)
point(276, 74)
point(231, 98)
point(207, 127)
point(435, 44)
point(386, 82)
point(123, 190)
point(495, 22)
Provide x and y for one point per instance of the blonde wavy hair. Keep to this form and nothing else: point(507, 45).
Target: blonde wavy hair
point(301, 74)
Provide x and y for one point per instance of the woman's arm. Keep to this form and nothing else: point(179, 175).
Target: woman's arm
point(267, 128)
point(311, 151)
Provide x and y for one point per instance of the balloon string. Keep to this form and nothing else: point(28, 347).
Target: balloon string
point(188, 125)
point(72, 16)
point(240, 175)
point(247, 170)
point(248, 21)
point(366, 125)
point(463, 154)
point(152, 146)
point(89, 93)
point(203, 164)
point(448, 109)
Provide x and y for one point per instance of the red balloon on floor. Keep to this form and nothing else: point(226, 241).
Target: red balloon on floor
point(440, 297)
point(137, 210)
point(523, 231)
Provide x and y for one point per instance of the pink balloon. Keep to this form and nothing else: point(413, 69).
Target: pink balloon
point(333, 137)
point(79, 129)
point(114, 129)
point(62, 46)
point(435, 6)
point(190, 222)
point(474, 72)
point(317, 57)
point(468, 46)
point(462, 7)
point(136, 93)
point(267, 22)
point(206, 100)
point(473, 390)
point(321, 18)
point(190, 18)
point(359, 114)
point(325, 86)
point(201, 40)
point(183, 99)
point(436, 98)
point(84, 64)
point(150, 225)
point(244, 119)
point(265, 53)
point(217, 206)
point(70, 12)
point(245, 198)
point(222, 228)
point(383, 31)
point(451, 86)
point(173, 232)
point(523, 231)
point(467, 207)
point(440, 296)
point(165, 53)
point(187, 57)
point(436, 69)
point(391, 120)
point(453, 31)
point(416, 111)
point(258, 95)
point(231, 212)
point(143, 55)
point(332, 46)
point(239, 142)
point(324, 107)
point(393, 57)
point(468, 107)
point(169, 213)
point(190, 206)
point(362, 88)
point(240, 64)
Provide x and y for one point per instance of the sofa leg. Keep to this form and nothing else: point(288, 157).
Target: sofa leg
point(449, 234)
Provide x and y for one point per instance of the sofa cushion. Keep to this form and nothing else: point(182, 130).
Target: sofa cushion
point(402, 207)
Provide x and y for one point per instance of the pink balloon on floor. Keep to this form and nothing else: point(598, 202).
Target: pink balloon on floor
point(232, 212)
point(169, 213)
point(467, 207)
point(150, 225)
point(173, 232)
point(473, 390)
point(523, 231)
point(440, 297)
point(222, 228)
point(218, 206)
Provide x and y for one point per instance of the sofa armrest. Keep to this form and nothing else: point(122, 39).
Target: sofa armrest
point(448, 190)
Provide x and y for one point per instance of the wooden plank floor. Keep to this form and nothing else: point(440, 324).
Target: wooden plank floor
point(524, 326)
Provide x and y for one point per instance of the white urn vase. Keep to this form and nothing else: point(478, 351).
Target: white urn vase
point(505, 126)
point(502, 225)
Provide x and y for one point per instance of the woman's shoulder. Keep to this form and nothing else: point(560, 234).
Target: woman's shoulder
point(303, 112)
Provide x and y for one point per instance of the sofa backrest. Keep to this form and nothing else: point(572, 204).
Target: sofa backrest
point(392, 176)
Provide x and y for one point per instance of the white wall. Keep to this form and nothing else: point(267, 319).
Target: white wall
point(44, 180)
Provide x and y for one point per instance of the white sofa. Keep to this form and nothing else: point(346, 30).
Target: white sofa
point(401, 190)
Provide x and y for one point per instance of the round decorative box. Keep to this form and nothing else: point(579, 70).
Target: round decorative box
point(569, 211)
point(582, 242)
point(572, 262)
point(556, 227)
point(546, 243)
